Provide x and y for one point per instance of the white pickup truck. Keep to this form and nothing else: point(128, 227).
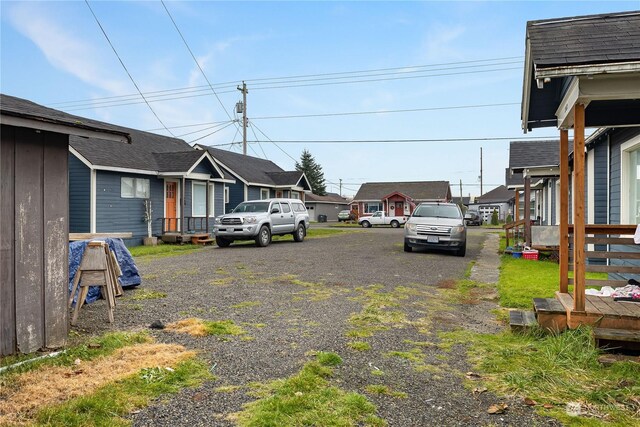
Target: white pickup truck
point(379, 218)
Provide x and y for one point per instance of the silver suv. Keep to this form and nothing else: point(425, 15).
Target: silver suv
point(260, 219)
point(436, 225)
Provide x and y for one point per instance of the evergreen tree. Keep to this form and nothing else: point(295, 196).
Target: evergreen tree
point(313, 171)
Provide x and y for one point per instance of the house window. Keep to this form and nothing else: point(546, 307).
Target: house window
point(372, 207)
point(634, 186)
point(264, 193)
point(199, 199)
point(134, 188)
point(226, 194)
point(295, 195)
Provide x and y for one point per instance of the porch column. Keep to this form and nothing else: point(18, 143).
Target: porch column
point(564, 211)
point(206, 198)
point(516, 212)
point(526, 216)
point(184, 204)
point(578, 209)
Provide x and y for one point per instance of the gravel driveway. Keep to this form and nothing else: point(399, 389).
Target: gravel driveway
point(295, 298)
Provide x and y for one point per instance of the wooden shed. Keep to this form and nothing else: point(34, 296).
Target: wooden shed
point(34, 150)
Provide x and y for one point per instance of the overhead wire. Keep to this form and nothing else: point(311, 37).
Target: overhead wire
point(211, 133)
point(398, 141)
point(196, 61)
point(256, 137)
point(125, 68)
point(273, 142)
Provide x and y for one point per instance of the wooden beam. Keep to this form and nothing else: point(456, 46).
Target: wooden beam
point(578, 210)
point(564, 211)
point(526, 215)
point(88, 236)
point(516, 214)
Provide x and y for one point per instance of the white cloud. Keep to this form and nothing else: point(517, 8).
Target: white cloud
point(63, 49)
point(440, 40)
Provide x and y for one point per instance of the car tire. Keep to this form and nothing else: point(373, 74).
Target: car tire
point(462, 251)
point(366, 224)
point(407, 248)
point(395, 224)
point(299, 234)
point(222, 242)
point(264, 237)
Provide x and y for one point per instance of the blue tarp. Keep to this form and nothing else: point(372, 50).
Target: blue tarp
point(130, 275)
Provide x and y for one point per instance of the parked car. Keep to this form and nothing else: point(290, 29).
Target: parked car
point(260, 219)
point(473, 218)
point(380, 218)
point(436, 225)
point(346, 215)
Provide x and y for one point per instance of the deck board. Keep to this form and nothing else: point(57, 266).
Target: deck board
point(603, 306)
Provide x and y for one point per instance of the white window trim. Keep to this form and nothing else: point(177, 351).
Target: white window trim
point(591, 187)
point(210, 189)
point(262, 190)
point(226, 194)
point(625, 149)
point(134, 181)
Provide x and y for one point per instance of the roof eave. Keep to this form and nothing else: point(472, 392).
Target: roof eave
point(542, 72)
point(526, 85)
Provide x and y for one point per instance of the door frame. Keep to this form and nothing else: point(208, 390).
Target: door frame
point(178, 204)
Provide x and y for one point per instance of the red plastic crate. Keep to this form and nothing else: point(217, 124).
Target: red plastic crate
point(531, 254)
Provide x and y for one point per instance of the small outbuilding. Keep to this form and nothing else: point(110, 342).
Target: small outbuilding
point(34, 224)
point(329, 205)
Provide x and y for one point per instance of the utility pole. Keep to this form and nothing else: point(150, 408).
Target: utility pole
point(481, 193)
point(244, 91)
point(340, 187)
point(460, 191)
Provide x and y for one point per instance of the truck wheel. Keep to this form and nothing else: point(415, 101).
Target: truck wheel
point(299, 234)
point(366, 224)
point(264, 237)
point(407, 248)
point(222, 242)
point(395, 224)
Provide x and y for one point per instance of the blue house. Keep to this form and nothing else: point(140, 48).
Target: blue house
point(109, 183)
point(255, 178)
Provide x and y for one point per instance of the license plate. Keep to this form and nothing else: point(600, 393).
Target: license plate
point(433, 239)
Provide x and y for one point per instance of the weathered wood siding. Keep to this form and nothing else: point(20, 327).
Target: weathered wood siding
point(79, 196)
point(34, 236)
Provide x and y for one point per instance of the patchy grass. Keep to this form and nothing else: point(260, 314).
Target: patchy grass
point(96, 383)
point(246, 304)
point(144, 294)
point(308, 399)
point(380, 311)
point(385, 390)
point(163, 250)
point(200, 328)
point(359, 345)
point(555, 370)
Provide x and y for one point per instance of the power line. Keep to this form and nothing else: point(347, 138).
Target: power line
point(202, 130)
point(397, 141)
point(274, 143)
point(256, 137)
point(195, 60)
point(209, 134)
point(125, 68)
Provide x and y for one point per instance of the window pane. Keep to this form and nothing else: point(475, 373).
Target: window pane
point(142, 188)
point(126, 187)
point(199, 200)
point(285, 207)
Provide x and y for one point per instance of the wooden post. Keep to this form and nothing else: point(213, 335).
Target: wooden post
point(516, 214)
point(184, 203)
point(578, 210)
point(564, 211)
point(206, 209)
point(527, 209)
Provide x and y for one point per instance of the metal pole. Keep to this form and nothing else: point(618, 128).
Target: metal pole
point(481, 193)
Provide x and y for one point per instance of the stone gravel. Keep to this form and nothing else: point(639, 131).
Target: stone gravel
point(296, 298)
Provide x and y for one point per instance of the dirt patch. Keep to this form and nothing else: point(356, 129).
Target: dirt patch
point(51, 385)
point(193, 327)
point(447, 284)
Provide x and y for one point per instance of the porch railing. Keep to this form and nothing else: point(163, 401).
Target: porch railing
point(191, 224)
point(513, 230)
point(611, 243)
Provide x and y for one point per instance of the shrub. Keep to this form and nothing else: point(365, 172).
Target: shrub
point(494, 217)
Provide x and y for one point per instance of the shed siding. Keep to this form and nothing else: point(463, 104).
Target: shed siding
point(118, 214)
point(79, 196)
point(33, 239)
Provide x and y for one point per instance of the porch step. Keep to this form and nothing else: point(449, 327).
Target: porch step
point(201, 239)
point(521, 320)
point(550, 313)
point(617, 338)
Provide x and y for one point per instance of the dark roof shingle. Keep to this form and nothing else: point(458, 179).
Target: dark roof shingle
point(417, 190)
point(499, 194)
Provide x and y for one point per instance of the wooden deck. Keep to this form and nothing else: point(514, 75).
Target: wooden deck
point(602, 312)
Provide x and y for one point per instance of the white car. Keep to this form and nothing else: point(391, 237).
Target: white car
point(380, 218)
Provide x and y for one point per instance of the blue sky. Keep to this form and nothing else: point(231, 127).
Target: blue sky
point(54, 53)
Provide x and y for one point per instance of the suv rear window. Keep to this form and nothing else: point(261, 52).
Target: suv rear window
point(298, 207)
point(438, 211)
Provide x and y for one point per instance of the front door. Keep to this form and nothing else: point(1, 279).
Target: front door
point(399, 209)
point(171, 221)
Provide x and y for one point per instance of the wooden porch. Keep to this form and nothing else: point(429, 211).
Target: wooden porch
point(196, 230)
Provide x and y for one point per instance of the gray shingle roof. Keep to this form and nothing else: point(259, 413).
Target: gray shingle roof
point(253, 169)
point(581, 40)
point(531, 154)
point(18, 107)
point(513, 179)
point(418, 190)
point(177, 161)
point(499, 194)
point(328, 198)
